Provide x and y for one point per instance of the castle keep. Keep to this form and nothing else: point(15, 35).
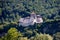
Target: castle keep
point(30, 20)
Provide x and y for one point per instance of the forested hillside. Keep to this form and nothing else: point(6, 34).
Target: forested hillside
point(12, 10)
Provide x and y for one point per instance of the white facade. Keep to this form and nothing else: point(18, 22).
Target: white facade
point(30, 20)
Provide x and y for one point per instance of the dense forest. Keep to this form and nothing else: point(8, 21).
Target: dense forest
point(12, 10)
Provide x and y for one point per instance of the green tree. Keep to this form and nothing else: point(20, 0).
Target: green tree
point(57, 36)
point(13, 34)
point(42, 37)
point(22, 38)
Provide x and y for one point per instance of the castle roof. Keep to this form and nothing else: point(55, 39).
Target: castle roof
point(33, 12)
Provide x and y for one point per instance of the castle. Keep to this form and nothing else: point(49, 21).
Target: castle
point(30, 20)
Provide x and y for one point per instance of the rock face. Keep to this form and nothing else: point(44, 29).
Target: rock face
point(30, 20)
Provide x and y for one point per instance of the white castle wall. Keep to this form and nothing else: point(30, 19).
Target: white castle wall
point(30, 21)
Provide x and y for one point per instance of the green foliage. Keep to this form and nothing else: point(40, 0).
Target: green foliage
point(42, 37)
point(57, 36)
point(0, 11)
point(13, 34)
point(49, 9)
point(1, 26)
point(23, 38)
point(12, 10)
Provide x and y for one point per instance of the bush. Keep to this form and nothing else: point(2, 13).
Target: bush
point(42, 37)
point(57, 36)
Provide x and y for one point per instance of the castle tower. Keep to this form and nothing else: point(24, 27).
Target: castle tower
point(33, 15)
